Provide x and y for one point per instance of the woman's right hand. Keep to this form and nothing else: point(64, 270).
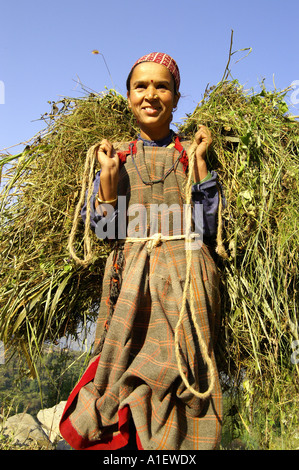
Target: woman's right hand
point(107, 157)
point(109, 161)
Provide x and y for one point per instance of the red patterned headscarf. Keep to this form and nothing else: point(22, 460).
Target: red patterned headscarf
point(163, 59)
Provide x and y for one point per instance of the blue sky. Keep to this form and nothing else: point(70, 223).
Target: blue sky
point(46, 46)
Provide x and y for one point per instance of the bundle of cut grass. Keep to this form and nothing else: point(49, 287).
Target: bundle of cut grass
point(256, 155)
point(44, 294)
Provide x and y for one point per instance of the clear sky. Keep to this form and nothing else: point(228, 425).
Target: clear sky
point(45, 47)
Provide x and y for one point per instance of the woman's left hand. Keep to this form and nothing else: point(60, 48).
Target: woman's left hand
point(203, 138)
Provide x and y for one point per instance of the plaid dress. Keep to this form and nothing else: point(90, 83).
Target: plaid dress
point(135, 374)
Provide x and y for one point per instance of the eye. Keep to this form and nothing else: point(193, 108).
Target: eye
point(140, 86)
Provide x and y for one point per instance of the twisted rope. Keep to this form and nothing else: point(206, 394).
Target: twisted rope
point(88, 176)
point(188, 289)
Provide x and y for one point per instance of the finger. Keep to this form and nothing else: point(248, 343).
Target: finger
point(203, 130)
point(203, 135)
point(105, 147)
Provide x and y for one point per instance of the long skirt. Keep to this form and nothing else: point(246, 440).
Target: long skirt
point(135, 375)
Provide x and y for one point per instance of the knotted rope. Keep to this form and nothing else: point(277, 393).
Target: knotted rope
point(188, 289)
point(88, 176)
point(157, 239)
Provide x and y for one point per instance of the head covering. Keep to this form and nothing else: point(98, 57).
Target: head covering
point(163, 59)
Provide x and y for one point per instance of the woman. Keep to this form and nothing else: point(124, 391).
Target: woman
point(132, 387)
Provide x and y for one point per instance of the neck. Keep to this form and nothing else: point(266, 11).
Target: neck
point(159, 143)
point(154, 135)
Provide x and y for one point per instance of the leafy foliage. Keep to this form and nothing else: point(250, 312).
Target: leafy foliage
point(59, 370)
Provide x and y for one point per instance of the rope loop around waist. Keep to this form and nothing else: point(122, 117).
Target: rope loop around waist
point(156, 239)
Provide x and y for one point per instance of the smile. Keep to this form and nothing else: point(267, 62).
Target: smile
point(151, 110)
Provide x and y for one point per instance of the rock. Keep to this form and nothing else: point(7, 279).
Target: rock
point(50, 418)
point(23, 429)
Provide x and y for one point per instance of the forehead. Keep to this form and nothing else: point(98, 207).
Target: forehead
point(151, 71)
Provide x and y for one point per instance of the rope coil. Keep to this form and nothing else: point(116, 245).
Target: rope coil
point(88, 175)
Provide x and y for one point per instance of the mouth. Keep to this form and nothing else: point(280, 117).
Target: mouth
point(150, 110)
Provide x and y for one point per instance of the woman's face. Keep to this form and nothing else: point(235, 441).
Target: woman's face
point(152, 99)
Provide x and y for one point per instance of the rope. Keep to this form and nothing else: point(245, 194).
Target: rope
point(88, 175)
point(188, 288)
point(157, 239)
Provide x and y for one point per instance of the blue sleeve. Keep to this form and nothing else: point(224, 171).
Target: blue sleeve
point(207, 194)
point(104, 227)
point(94, 217)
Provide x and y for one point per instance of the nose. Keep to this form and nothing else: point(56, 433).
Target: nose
point(151, 93)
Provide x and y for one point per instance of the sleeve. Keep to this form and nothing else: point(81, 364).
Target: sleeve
point(206, 194)
point(104, 227)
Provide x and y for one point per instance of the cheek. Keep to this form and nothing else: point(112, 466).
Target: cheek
point(168, 98)
point(134, 108)
point(169, 103)
point(133, 101)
